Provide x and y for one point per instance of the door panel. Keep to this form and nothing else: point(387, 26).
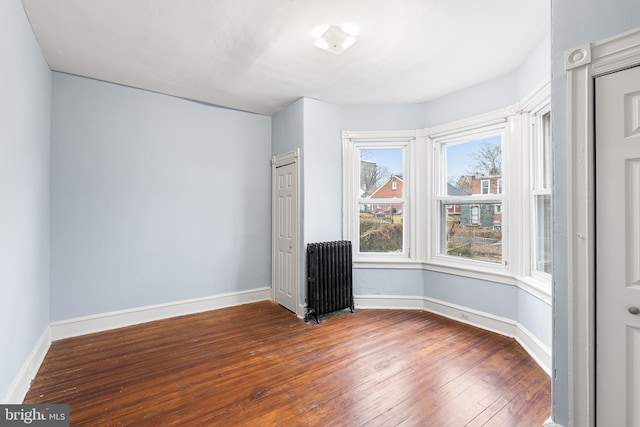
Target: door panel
point(286, 238)
point(618, 249)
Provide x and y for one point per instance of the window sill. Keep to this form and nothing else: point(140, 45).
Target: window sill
point(388, 263)
point(496, 274)
point(447, 268)
point(539, 288)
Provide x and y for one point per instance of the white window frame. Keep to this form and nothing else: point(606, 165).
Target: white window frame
point(477, 127)
point(538, 187)
point(352, 142)
point(482, 189)
point(530, 111)
point(534, 105)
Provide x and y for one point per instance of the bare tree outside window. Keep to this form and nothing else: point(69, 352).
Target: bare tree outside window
point(463, 183)
point(372, 176)
point(487, 160)
point(475, 158)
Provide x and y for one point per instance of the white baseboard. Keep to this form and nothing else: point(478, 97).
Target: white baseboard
point(550, 423)
point(489, 322)
point(501, 325)
point(389, 302)
point(536, 349)
point(22, 382)
point(118, 319)
point(302, 309)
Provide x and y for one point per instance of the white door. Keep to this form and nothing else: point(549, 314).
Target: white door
point(285, 235)
point(618, 249)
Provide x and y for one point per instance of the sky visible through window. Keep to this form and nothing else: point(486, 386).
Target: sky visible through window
point(391, 158)
point(459, 156)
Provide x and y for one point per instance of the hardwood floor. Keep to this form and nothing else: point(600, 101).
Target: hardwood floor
point(258, 365)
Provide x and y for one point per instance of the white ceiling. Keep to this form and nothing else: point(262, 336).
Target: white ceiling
point(256, 55)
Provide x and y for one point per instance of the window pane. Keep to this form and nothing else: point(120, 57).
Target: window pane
point(485, 186)
point(475, 215)
point(381, 227)
point(473, 231)
point(468, 162)
point(543, 233)
point(381, 173)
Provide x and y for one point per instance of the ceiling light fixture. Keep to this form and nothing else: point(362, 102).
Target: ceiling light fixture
point(335, 40)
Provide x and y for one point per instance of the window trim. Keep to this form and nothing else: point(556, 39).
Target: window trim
point(352, 142)
point(532, 109)
point(497, 122)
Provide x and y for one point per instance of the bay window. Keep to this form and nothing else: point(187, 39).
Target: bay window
point(472, 197)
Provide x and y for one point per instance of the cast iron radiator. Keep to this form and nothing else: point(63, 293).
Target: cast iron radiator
point(329, 278)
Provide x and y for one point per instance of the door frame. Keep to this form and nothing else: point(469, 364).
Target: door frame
point(583, 64)
point(291, 157)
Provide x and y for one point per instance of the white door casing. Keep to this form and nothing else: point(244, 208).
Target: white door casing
point(618, 249)
point(285, 230)
point(583, 64)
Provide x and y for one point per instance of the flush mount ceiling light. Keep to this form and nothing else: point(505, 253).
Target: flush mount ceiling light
point(335, 40)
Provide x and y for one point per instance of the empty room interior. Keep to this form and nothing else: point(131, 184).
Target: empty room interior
point(166, 168)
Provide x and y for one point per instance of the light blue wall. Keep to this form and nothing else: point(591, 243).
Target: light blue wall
point(536, 68)
point(287, 133)
point(25, 121)
point(153, 199)
point(483, 98)
point(396, 282)
point(489, 297)
point(382, 117)
point(535, 315)
point(322, 172)
point(494, 94)
point(575, 22)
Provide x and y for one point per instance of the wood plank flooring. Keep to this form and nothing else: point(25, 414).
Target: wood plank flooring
point(258, 365)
